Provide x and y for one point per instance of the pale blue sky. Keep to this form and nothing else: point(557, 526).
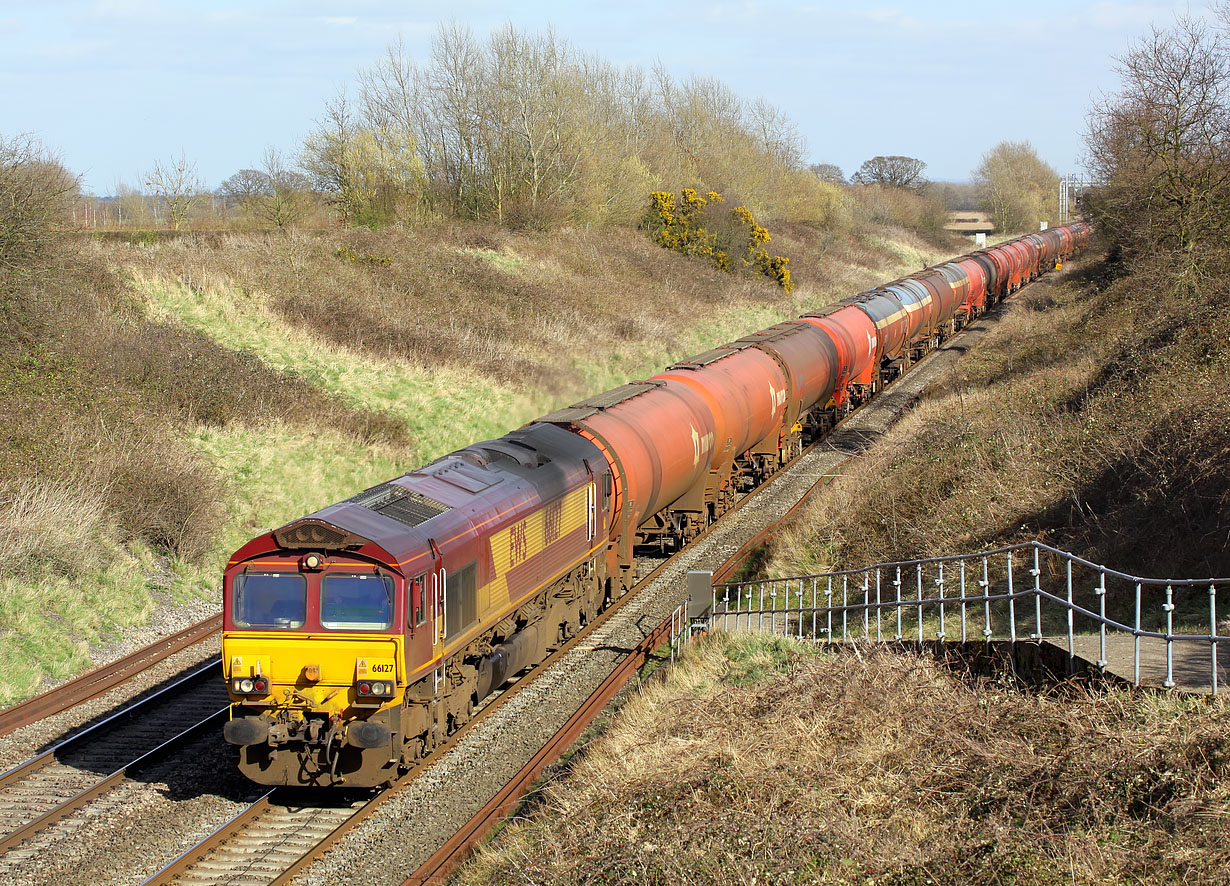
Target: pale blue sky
point(115, 84)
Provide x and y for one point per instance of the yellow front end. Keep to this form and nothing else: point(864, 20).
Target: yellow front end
point(315, 709)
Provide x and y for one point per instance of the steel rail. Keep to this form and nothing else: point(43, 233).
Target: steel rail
point(101, 680)
point(21, 770)
point(217, 838)
point(446, 859)
point(453, 853)
point(179, 866)
point(108, 782)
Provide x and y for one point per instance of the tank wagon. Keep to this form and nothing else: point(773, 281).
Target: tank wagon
point(357, 637)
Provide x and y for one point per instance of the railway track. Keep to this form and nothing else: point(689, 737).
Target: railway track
point(277, 838)
point(76, 775)
point(438, 867)
point(102, 680)
point(282, 832)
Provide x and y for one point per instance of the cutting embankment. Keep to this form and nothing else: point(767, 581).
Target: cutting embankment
point(764, 760)
point(1090, 417)
point(169, 396)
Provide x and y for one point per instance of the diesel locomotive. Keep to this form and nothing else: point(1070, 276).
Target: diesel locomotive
point(357, 637)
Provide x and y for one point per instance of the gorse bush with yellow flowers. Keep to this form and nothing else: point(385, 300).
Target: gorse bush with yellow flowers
point(699, 226)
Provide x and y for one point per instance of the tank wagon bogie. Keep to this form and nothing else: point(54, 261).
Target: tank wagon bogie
point(356, 638)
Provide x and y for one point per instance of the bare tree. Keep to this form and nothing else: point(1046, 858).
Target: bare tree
point(289, 194)
point(245, 188)
point(1162, 145)
point(331, 157)
point(894, 172)
point(1017, 187)
point(36, 200)
point(829, 172)
point(177, 184)
point(524, 129)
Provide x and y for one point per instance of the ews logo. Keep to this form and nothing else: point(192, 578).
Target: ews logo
point(518, 545)
point(551, 522)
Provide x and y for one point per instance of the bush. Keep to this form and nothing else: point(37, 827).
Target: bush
point(697, 226)
point(924, 213)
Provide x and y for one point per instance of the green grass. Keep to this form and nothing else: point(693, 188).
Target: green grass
point(279, 473)
point(50, 620)
point(566, 293)
point(445, 410)
point(505, 260)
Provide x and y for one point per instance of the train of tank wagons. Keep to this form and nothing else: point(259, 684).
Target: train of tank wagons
point(358, 637)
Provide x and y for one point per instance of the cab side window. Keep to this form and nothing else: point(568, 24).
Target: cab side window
point(417, 615)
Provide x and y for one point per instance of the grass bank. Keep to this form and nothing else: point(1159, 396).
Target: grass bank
point(168, 398)
point(761, 761)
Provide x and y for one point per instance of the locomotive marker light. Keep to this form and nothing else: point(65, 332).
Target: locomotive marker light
point(250, 685)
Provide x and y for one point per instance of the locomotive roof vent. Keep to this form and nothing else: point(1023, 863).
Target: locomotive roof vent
point(315, 534)
point(399, 503)
point(516, 451)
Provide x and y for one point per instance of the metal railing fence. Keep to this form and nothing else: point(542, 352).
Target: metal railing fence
point(1029, 591)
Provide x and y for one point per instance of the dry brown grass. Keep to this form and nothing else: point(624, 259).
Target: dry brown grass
point(524, 308)
point(528, 309)
point(92, 394)
point(760, 761)
point(50, 524)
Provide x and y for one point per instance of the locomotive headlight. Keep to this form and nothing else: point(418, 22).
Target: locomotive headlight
point(246, 686)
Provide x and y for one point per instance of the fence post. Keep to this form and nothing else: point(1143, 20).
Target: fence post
point(1213, 633)
point(845, 601)
point(879, 626)
point(985, 584)
point(942, 634)
point(828, 604)
point(918, 582)
point(1135, 634)
point(1037, 573)
point(897, 584)
point(866, 606)
point(1011, 606)
point(962, 602)
point(1168, 608)
point(1071, 625)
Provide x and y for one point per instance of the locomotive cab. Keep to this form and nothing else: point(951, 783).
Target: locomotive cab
point(314, 652)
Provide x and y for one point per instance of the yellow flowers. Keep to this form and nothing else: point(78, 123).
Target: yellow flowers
point(695, 227)
point(345, 253)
